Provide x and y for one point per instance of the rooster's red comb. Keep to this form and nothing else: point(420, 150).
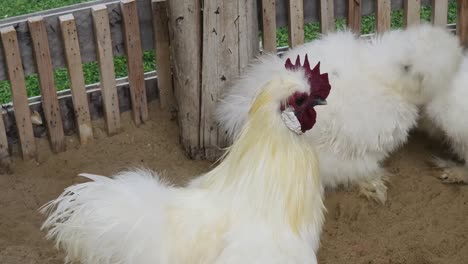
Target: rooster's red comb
point(319, 84)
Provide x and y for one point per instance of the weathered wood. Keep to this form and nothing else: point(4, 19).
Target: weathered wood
point(106, 68)
point(5, 160)
point(382, 19)
point(269, 25)
point(45, 69)
point(18, 91)
point(163, 60)
point(296, 22)
point(327, 16)
point(439, 12)
point(412, 12)
point(354, 15)
point(462, 23)
point(83, 18)
point(134, 61)
point(248, 33)
point(75, 73)
point(185, 32)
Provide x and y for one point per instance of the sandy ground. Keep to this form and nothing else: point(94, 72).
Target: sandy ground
point(424, 220)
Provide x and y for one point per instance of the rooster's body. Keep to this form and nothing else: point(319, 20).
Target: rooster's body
point(257, 206)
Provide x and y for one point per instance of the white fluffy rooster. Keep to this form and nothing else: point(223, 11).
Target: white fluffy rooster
point(377, 89)
point(445, 118)
point(261, 204)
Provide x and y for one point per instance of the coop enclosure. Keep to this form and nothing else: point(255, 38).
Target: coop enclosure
point(201, 46)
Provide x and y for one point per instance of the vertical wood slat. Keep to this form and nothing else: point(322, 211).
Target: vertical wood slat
point(296, 22)
point(354, 16)
point(269, 26)
point(382, 20)
point(185, 34)
point(162, 48)
point(136, 79)
point(5, 160)
point(327, 16)
point(18, 91)
point(462, 23)
point(439, 12)
point(105, 59)
point(75, 73)
point(412, 12)
point(45, 70)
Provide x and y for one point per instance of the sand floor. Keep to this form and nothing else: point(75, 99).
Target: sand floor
point(424, 221)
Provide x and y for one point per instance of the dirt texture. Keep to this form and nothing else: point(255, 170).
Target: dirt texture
point(424, 220)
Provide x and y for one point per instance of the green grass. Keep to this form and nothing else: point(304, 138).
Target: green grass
point(91, 71)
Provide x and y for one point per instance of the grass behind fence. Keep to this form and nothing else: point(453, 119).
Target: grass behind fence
point(91, 72)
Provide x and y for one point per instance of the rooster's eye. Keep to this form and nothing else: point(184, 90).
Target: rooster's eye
point(300, 100)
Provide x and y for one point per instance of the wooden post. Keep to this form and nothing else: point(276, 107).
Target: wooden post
point(327, 16)
point(162, 48)
point(105, 59)
point(18, 91)
point(296, 22)
point(131, 30)
point(185, 38)
point(45, 70)
point(382, 20)
point(439, 12)
point(269, 26)
point(75, 73)
point(412, 12)
point(462, 23)
point(354, 16)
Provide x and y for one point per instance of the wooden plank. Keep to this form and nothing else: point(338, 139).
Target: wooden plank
point(327, 16)
point(439, 12)
point(269, 25)
point(83, 18)
point(354, 16)
point(382, 20)
point(248, 33)
point(106, 68)
point(412, 12)
point(185, 38)
point(296, 22)
point(18, 91)
point(462, 23)
point(45, 69)
point(163, 60)
point(75, 73)
point(5, 160)
point(134, 60)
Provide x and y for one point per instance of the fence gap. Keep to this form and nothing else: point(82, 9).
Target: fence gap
point(18, 92)
point(106, 68)
point(45, 70)
point(5, 160)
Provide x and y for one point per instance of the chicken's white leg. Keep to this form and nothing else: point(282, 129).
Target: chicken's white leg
point(451, 171)
point(375, 187)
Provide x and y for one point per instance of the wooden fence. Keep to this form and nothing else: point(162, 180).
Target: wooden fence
point(210, 45)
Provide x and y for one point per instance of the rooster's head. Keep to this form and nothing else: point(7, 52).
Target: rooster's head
point(294, 94)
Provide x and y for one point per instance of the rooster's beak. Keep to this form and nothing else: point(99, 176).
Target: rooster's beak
point(319, 101)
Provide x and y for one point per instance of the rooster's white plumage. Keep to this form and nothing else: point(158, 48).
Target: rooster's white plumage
point(261, 204)
point(378, 87)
